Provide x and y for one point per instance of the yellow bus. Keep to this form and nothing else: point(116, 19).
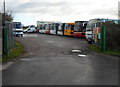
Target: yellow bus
point(69, 29)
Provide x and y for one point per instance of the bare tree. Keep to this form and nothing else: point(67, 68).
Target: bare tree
point(8, 16)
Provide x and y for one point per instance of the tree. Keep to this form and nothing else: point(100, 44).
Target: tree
point(8, 17)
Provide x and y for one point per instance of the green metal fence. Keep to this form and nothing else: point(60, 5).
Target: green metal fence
point(103, 39)
point(8, 38)
point(107, 36)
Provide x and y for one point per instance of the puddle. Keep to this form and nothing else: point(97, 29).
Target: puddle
point(30, 53)
point(49, 41)
point(76, 51)
point(29, 35)
point(81, 55)
point(28, 59)
point(24, 59)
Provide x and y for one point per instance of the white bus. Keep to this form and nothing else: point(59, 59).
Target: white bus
point(60, 30)
point(17, 29)
point(54, 28)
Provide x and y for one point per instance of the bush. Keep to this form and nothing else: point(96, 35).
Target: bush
point(112, 35)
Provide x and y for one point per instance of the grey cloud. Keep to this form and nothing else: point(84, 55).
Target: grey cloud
point(43, 8)
point(104, 11)
point(56, 8)
point(37, 6)
point(34, 4)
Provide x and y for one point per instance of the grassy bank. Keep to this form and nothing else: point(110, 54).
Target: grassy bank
point(17, 51)
point(109, 52)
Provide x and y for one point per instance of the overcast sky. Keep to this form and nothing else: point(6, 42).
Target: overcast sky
point(31, 11)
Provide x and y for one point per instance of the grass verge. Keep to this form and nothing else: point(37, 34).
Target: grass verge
point(108, 52)
point(17, 51)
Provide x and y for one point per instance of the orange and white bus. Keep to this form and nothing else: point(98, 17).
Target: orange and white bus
point(69, 29)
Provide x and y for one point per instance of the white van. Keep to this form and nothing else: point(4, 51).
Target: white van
point(31, 29)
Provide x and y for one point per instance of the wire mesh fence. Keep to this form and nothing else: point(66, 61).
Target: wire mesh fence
point(107, 35)
point(9, 39)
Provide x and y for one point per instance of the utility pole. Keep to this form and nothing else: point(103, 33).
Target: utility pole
point(5, 34)
point(3, 24)
point(4, 6)
point(119, 14)
point(4, 13)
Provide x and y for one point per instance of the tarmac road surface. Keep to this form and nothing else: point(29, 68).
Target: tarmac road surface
point(49, 60)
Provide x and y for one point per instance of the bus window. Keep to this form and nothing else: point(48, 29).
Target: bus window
point(91, 24)
point(67, 26)
point(72, 27)
point(17, 26)
point(60, 26)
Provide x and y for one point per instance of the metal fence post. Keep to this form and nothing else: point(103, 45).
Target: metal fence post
point(6, 41)
point(103, 39)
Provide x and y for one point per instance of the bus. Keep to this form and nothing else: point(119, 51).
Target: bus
point(47, 28)
point(80, 28)
point(43, 28)
point(54, 28)
point(69, 29)
point(61, 29)
point(95, 23)
point(17, 29)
